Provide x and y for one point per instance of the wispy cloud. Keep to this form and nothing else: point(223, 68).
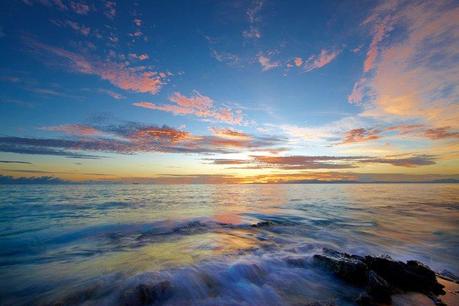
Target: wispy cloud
point(198, 105)
point(361, 135)
point(266, 63)
point(112, 94)
point(226, 57)
point(413, 76)
point(302, 162)
point(117, 73)
point(131, 138)
point(324, 58)
point(72, 129)
point(253, 16)
point(110, 9)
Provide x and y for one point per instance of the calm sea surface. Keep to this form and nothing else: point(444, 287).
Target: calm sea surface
point(90, 243)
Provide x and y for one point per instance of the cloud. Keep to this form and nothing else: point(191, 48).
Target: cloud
point(118, 74)
point(112, 94)
point(226, 57)
point(441, 133)
point(302, 162)
point(298, 61)
point(230, 133)
point(318, 61)
point(137, 22)
point(380, 30)
point(412, 71)
point(266, 63)
point(140, 57)
point(110, 9)
point(82, 29)
point(361, 135)
point(79, 7)
point(131, 138)
point(73, 129)
point(414, 130)
point(198, 105)
point(414, 161)
point(254, 19)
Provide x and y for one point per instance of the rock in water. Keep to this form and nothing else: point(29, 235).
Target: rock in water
point(381, 276)
point(147, 294)
point(378, 288)
point(347, 267)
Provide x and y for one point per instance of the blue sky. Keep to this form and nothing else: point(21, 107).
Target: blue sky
point(236, 91)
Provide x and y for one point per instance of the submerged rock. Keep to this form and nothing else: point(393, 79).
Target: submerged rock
point(147, 294)
point(381, 276)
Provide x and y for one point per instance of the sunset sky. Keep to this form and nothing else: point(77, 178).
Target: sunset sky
point(229, 91)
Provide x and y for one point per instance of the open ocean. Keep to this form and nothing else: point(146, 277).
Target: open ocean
point(90, 244)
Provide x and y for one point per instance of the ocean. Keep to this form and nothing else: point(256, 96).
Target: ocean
point(213, 244)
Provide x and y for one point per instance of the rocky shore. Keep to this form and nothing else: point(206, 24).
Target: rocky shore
point(380, 278)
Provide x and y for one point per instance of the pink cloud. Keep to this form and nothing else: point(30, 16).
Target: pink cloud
point(298, 61)
point(406, 83)
point(110, 9)
point(73, 129)
point(266, 63)
point(361, 135)
point(82, 29)
point(140, 57)
point(380, 31)
point(318, 61)
point(138, 22)
point(118, 74)
point(198, 105)
point(79, 8)
point(358, 92)
point(113, 94)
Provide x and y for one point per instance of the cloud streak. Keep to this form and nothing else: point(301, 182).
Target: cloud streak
point(118, 74)
point(197, 105)
point(132, 138)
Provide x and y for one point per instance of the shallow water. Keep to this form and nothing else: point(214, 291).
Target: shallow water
point(90, 243)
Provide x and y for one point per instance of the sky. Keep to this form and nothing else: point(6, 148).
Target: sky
point(256, 91)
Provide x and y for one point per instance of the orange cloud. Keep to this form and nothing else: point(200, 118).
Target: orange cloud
point(266, 63)
point(198, 105)
point(405, 82)
point(360, 135)
point(318, 61)
point(441, 133)
point(229, 133)
point(298, 61)
point(73, 129)
point(118, 74)
point(380, 31)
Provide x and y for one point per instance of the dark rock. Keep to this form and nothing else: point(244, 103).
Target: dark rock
point(147, 294)
point(346, 267)
point(381, 276)
point(378, 288)
point(365, 299)
point(263, 224)
point(410, 276)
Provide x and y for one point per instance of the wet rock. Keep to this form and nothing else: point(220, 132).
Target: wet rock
point(365, 299)
point(346, 267)
point(378, 288)
point(263, 224)
point(410, 276)
point(381, 276)
point(147, 294)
